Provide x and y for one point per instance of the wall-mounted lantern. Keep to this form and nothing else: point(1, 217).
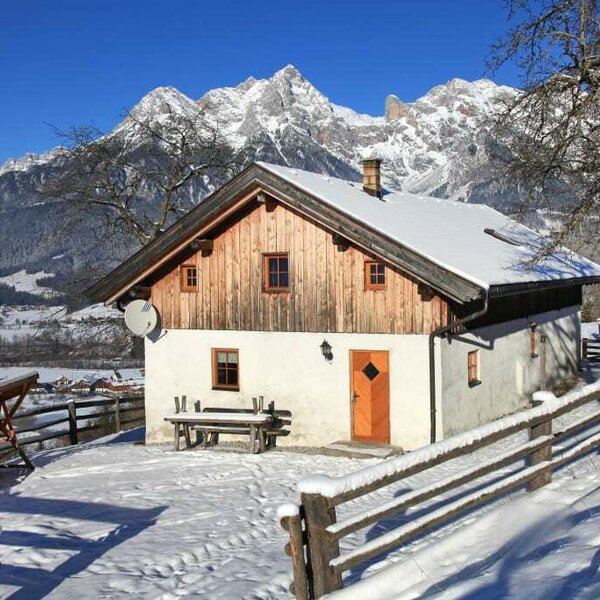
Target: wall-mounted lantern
point(326, 351)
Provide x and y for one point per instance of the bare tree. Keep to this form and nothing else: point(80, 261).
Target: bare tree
point(551, 130)
point(144, 174)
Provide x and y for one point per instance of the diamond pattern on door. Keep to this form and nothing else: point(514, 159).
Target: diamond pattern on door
point(371, 371)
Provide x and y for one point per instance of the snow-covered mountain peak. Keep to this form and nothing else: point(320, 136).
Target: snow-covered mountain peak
point(162, 101)
point(288, 72)
point(432, 146)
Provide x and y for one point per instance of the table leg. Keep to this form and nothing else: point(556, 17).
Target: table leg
point(261, 439)
point(176, 440)
point(252, 439)
point(186, 431)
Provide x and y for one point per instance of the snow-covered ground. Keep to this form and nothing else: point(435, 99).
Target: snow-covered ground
point(541, 546)
point(113, 518)
point(21, 321)
point(50, 374)
point(590, 330)
point(28, 282)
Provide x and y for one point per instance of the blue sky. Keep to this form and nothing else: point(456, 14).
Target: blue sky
point(74, 62)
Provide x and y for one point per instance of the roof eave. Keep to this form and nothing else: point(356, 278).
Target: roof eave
point(511, 289)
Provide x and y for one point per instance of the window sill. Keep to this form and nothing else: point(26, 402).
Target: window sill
point(474, 383)
point(225, 388)
point(276, 290)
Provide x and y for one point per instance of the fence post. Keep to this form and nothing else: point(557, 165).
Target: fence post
point(72, 409)
point(322, 546)
point(543, 454)
point(585, 348)
point(118, 413)
point(295, 549)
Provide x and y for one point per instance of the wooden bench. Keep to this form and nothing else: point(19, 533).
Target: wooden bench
point(282, 419)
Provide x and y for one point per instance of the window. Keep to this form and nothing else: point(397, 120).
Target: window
point(189, 278)
point(473, 367)
point(276, 272)
point(225, 369)
point(374, 275)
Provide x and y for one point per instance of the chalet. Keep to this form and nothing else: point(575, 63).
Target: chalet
point(130, 375)
point(61, 385)
point(81, 386)
point(101, 386)
point(372, 315)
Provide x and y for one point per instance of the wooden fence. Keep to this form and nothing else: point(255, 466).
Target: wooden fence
point(76, 420)
point(590, 349)
point(315, 530)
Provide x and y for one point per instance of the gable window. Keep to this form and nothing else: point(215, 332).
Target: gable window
point(473, 367)
point(374, 275)
point(225, 368)
point(276, 274)
point(189, 278)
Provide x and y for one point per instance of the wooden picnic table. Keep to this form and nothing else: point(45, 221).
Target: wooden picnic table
point(13, 390)
point(223, 422)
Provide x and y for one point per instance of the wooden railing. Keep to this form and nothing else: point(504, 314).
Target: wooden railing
point(99, 416)
point(315, 530)
point(590, 349)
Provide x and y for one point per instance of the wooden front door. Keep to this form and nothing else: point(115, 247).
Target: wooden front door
point(370, 395)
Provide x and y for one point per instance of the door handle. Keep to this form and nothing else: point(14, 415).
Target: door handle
point(354, 396)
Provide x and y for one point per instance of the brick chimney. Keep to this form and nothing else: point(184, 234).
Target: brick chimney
point(372, 176)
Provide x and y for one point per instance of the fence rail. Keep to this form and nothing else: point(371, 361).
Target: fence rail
point(590, 349)
point(315, 530)
point(81, 416)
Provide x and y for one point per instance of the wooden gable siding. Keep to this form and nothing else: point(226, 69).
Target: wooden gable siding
point(327, 290)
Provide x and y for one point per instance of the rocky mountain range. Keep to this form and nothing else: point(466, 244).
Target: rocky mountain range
point(436, 145)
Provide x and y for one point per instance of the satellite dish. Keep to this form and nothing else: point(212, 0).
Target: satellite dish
point(141, 317)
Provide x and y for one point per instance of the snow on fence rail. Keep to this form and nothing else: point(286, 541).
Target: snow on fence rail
point(313, 525)
point(101, 415)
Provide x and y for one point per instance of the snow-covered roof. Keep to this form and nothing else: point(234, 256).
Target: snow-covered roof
point(128, 374)
point(450, 234)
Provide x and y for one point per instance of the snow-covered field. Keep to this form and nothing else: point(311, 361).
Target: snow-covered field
point(21, 321)
point(28, 282)
point(48, 374)
point(113, 519)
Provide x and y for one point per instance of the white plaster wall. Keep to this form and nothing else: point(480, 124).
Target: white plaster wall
point(288, 368)
point(508, 374)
